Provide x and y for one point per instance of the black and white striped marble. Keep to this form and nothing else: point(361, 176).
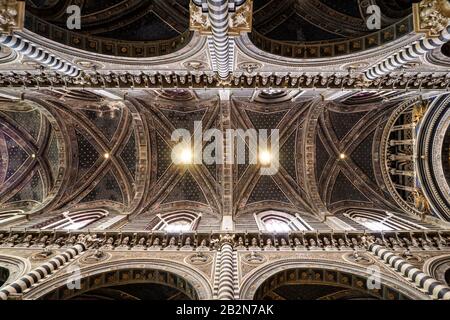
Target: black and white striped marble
point(434, 288)
point(408, 54)
point(41, 272)
point(39, 55)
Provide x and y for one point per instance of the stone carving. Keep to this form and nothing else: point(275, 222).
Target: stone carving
point(358, 257)
point(203, 246)
point(199, 258)
point(155, 245)
point(431, 16)
point(124, 244)
point(269, 245)
point(240, 244)
point(284, 245)
point(187, 245)
point(140, 244)
point(249, 67)
point(417, 241)
point(198, 20)
point(254, 245)
point(254, 257)
point(12, 13)
point(43, 255)
point(95, 256)
point(172, 244)
point(58, 243)
point(11, 241)
point(26, 242)
point(109, 244)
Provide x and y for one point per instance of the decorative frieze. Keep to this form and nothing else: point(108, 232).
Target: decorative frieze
point(101, 242)
point(46, 79)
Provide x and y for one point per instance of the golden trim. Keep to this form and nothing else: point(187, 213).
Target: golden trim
point(431, 17)
point(12, 15)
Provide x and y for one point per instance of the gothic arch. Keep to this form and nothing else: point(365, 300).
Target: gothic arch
point(16, 267)
point(197, 281)
point(438, 268)
point(258, 276)
point(50, 173)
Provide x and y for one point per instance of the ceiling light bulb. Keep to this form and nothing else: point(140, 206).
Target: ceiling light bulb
point(265, 157)
point(106, 155)
point(185, 156)
point(33, 155)
point(342, 156)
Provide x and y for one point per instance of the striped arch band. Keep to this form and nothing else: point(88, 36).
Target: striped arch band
point(434, 288)
point(41, 56)
point(41, 272)
point(408, 54)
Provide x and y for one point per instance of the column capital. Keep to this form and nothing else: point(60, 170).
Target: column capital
point(226, 239)
point(431, 17)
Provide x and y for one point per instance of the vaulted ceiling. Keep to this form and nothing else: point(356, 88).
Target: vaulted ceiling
point(115, 27)
point(319, 20)
point(117, 154)
point(138, 28)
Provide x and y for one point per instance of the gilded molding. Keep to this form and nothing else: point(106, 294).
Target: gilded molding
point(431, 17)
point(12, 16)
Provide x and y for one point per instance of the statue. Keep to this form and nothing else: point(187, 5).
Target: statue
point(199, 258)
point(26, 242)
point(355, 242)
point(406, 241)
point(155, 244)
point(312, 244)
point(172, 244)
point(414, 243)
point(44, 254)
point(124, 244)
point(284, 244)
point(11, 241)
point(58, 243)
point(394, 243)
point(203, 246)
point(254, 257)
point(140, 244)
point(240, 244)
point(254, 244)
point(187, 244)
point(109, 244)
point(326, 243)
point(269, 245)
point(334, 244)
point(424, 244)
point(440, 242)
point(41, 243)
point(341, 243)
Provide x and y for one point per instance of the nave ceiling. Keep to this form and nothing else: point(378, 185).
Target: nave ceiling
point(100, 137)
point(81, 150)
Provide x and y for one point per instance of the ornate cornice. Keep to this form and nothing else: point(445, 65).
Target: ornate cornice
point(414, 240)
point(205, 80)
